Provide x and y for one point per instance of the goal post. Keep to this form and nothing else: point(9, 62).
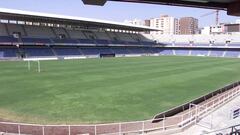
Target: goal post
point(29, 65)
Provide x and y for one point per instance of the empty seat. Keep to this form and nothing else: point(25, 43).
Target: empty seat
point(86, 41)
point(68, 41)
point(125, 37)
point(8, 52)
point(76, 34)
point(233, 54)
point(3, 30)
point(39, 32)
point(13, 28)
point(216, 53)
point(38, 52)
point(67, 51)
point(90, 51)
point(102, 36)
point(7, 39)
point(136, 50)
point(60, 31)
point(199, 52)
point(120, 51)
point(166, 52)
point(182, 52)
point(36, 40)
point(102, 42)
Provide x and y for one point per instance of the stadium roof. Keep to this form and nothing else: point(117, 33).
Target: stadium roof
point(19, 15)
point(232, 6)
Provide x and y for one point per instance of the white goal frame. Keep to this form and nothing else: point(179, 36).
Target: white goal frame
point(38, 65)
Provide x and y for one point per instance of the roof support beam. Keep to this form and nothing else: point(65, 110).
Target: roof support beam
point(234, 9)
point(94, 2)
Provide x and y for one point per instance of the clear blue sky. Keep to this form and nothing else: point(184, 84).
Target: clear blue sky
point(116, 11)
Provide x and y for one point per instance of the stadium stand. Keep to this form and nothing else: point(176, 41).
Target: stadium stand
point(120, 50)
point(234, 54)
point(8, 52)
point(76, 34)
point(37, 51)
point(216, 53)
point(39, 39)
point(3, 30)
point(13, 28)
point(39, 32)
point(182, 52)
point(199, 52)
point(66, 51)
point(56, 41)
point(90, 51)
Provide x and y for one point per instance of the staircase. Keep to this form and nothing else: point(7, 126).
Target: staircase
point(25, 32)
point(54, 32)
point(68, 35)
point(54, 52)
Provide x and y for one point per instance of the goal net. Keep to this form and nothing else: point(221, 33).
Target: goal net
point(34, 65)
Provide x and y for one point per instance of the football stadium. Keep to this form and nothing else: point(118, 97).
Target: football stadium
point(65, 75)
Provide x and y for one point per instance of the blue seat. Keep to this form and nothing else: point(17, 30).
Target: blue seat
point(120, 51)
point(101, 41)
point(134, 43)
point(38, 52)
point(67, 51)
point(216, 53)
point(199, 52)
point(233, 54)
point(86, 41)
point(148, 43)
point(68, 41)
point(118, 42)
point(36, 40)
point(182, 52)
point(8, 52)
point(90, 51)
point(7, 39)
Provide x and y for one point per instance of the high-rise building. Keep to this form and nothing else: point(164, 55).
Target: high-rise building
point(232, 28)
point(147, 23)
point(168, 25)
point(188, 25)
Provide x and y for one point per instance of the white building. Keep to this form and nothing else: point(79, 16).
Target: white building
point(134, 22)
point(238, 21)
point(206, 30)
point(217, 29)
point(169, 25)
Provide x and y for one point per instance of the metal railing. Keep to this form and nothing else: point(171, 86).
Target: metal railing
point(231, 130)
point(166, 124)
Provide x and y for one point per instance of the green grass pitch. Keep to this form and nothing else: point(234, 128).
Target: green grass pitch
point(107, 90)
